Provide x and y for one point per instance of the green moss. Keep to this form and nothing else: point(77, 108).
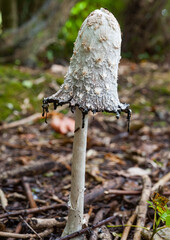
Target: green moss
point(7, 72)
point(153, 89)
point(17, 86)
point(160, 124)
point(65, 111)
point(136, 108)
point(56, 135)
point(138, 78)
point(161, 90)
point(60, 81)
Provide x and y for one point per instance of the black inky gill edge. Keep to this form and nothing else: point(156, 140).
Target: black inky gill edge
point(85, 111)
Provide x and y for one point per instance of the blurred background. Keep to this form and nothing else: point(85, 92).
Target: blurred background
point(38, 35)
point(38, 31)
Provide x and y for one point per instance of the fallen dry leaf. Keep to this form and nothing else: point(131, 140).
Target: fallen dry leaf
point(62, 124)
point(112, 157)
point(3, 200)
point(136, 171)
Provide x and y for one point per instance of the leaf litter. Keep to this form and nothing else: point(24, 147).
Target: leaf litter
point(116, 160)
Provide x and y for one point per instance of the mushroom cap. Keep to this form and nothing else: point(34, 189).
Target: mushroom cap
point(91, 80)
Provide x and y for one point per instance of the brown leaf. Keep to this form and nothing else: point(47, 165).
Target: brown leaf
point(62, 124)
point(112, 157)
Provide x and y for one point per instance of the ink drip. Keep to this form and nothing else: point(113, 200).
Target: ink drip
point(56, 103)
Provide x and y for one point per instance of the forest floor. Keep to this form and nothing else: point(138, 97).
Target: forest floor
point(35, 169)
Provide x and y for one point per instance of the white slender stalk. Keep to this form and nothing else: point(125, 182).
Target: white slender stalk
point(76, 202)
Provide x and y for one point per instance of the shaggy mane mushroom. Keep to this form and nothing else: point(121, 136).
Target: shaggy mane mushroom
point(89, 85)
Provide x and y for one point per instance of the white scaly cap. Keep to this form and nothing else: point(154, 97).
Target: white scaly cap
point(91, 80)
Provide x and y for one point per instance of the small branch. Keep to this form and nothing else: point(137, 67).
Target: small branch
point(99, 192)
point(129, 223)
point(32, 205)
point(29, 193)
point(45, 223)
point(26, 236)
point(86, 230)
point(23, 121)
point(30, 170)
point(32, 210)
point(3, 199)
point(142, 207)
point(161, 182)
point(31, 228)
point(128, 192)
point(122, 192)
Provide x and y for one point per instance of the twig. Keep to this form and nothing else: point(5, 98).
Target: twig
point(28, 120)
point(86, 230)
point(161, 182)
point(32, 205)
point(129, 223)
point(27, 235)
point(122, 192)
point(23, 121)
point(45, 223)
point(3, 200)
point(32, 210)
point(36, 144)
point(142, 207)
point(99, 192)
point(128, 192)
point(29, 193)
point(57, 199)
point(30, 170)
point(31, 228)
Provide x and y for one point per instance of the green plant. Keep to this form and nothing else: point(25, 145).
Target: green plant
point(161, 212)
point(67, 35)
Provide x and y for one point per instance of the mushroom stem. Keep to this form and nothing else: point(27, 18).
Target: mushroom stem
point(76, 202)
